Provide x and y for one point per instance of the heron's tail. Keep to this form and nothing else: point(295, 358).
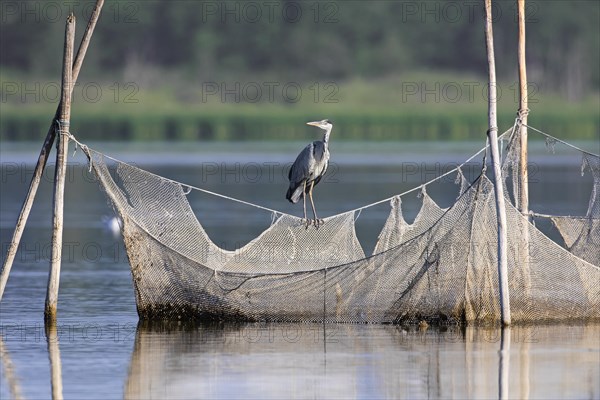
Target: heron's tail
point(294, 194)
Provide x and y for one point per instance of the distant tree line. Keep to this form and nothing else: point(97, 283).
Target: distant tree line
point(309, 40)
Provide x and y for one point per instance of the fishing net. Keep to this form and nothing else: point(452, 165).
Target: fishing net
point(442, 267)
point(582, 235)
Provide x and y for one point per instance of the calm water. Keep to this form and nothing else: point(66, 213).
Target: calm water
point(99, 351)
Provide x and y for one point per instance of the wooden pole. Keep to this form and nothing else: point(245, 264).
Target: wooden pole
point(59, 175)
point(523, 185)
point(498, 184)
point(44, 153)
point(85, 41)
point(523, 200)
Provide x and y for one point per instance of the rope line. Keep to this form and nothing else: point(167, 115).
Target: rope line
point(420, 187)
point(560, 141)
point(522, 113)
point(540, 215)
point(198, 188)
point(509, 132)
point(87, 150)
point(62, 123)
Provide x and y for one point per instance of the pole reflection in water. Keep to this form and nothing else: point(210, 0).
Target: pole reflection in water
point(291, 360)
point(170, 360)
point(8, 372)
point(524, 365)
point(503, 363)
point(55, 361)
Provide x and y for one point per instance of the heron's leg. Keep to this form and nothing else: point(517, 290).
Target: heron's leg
point(306, 220)
point(312, 203)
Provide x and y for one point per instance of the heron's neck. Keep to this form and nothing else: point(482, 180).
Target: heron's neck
point(326, 136)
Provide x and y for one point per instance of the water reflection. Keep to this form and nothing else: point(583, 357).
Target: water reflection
point(268, 361)
point(171, 360)
point(8, 372)
point(300, 361)
point(11, 377)
point(55, 361)
point(524, 368)
point(504, 364)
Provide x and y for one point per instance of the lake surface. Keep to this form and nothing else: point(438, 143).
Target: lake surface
point(99, 351)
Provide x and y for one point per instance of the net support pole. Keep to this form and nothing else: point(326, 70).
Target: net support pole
point(523, 200)
point(498, 185)
point(523, 110)
point(44, 153)
point(59, 174)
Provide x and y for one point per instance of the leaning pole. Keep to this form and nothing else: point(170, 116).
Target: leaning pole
point(44, 154)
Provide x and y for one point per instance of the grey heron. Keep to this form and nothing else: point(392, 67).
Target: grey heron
point(308, 169)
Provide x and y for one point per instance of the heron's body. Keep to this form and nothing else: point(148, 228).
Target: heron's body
point(309, 168)
point(303, 174)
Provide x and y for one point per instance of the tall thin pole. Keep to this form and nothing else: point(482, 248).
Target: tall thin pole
point(523, 200)
point(498, 185)
point(44, 153)
point(59, 175)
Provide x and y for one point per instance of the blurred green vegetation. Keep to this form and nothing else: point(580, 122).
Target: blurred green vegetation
point(381, 70)
point(363, 110)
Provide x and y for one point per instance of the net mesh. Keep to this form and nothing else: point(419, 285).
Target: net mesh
point(582, 235)
point(441, 267)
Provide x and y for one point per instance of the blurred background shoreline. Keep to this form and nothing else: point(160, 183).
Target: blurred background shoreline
point(248, 71)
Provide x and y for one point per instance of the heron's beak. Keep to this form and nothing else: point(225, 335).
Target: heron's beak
point(314, 123)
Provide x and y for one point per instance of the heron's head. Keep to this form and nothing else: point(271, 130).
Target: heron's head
point(325, 124)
